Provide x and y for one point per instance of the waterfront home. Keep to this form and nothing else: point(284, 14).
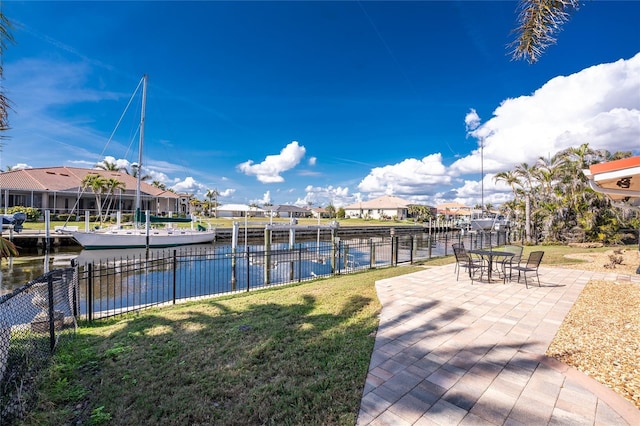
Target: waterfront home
point(59, 189)
point(385, 207)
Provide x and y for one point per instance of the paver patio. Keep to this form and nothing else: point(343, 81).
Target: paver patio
point(451, 352)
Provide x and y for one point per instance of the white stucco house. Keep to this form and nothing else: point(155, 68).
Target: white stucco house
point(385, 207)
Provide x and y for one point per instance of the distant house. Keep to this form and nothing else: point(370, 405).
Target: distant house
point(238, 210)
point(320, 212)
point(59, 189)
point(385, 207)
point(286, 210)
point(453, 211)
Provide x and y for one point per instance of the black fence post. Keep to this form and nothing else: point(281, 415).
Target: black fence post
point(248, 269)
point(446, 243)
point(175, 271)
point(89, 273)
point(339, 256)
point(76, 288)
point(52, 325)
point(413, 243)
point(372, 254)
point(299, 263)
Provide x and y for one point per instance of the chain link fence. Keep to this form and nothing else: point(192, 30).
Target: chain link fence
point(32, 320)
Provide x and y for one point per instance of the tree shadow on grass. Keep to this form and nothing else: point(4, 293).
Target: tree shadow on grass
point(299, 362)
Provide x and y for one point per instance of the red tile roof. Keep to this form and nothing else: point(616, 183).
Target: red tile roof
point(69, 179)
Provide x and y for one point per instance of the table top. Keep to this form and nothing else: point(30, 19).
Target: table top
point(492, 253)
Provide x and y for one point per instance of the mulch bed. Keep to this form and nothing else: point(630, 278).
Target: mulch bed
point(601, 336)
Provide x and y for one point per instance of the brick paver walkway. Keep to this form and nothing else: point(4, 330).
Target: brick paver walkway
point(448, 352)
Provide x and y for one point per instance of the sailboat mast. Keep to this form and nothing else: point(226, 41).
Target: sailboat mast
point(140, 145)
point(482, 177)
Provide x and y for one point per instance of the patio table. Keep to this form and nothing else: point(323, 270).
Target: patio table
point(489, 255)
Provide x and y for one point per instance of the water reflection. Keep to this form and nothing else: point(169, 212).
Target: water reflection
point(17, 271)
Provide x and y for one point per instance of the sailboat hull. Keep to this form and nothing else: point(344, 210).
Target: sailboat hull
point(132, 238)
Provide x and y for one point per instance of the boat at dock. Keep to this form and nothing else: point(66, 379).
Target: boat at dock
point(143, 234)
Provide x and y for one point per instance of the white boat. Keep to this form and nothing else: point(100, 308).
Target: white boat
point(142, 235)
point(490, 223)
point(138, 238)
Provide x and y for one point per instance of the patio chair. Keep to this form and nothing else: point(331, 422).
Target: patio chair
point(458, 245)
point(509, 263)
point(532, 264)
point(465, 260)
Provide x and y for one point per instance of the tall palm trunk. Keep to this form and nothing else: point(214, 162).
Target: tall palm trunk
point(527, 219)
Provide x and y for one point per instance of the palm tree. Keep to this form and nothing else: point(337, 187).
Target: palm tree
point(7, 248)
point(134, 172)
point(159, 185)
point(331, 210)
point(526, 174)
point(212, 195)
point(111, 185)
point(109, 166)
point(538, 23)
point(98, 185)
point(5, 104)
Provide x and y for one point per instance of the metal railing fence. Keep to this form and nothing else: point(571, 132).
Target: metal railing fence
point(33, 318)
point(117, 285)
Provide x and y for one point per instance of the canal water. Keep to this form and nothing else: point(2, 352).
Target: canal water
point(15, 272)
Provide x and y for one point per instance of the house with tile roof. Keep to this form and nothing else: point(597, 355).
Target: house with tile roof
point(287, 210)
point(385, 207)
point(59, 190)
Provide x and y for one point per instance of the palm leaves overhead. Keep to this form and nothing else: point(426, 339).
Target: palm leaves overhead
point(5, 39)
point(538, 23)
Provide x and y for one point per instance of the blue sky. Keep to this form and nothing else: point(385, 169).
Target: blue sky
point(317, 102)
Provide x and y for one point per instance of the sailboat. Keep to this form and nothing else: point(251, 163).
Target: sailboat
point(486, 221)
point(143, 236)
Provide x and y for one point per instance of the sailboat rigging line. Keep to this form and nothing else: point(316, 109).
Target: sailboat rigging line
point(126, 108)
point(82, 190)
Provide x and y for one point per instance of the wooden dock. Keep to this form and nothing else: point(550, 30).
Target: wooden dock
point(38, 238)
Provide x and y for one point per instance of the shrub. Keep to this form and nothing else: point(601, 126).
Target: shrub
point(32, 213)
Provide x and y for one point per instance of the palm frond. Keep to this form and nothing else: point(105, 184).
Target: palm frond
point(7, 248)
point(538, 23)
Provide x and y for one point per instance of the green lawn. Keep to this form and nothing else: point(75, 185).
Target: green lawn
point(293, 355)
point(296, 354)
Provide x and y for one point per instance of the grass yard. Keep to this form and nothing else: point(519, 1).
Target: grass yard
point(293, 355)
point(296, 354)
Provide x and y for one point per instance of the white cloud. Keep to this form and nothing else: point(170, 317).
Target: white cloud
point(156, 176)
point(325, 195)
point(472, 120)
point(599, 105)
point(189, 185)
point(273, 165)
point(266, 199)
point(21, 166)
point(121, 164)
point(313, 161)
point(227, 192)
point(409, 177)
